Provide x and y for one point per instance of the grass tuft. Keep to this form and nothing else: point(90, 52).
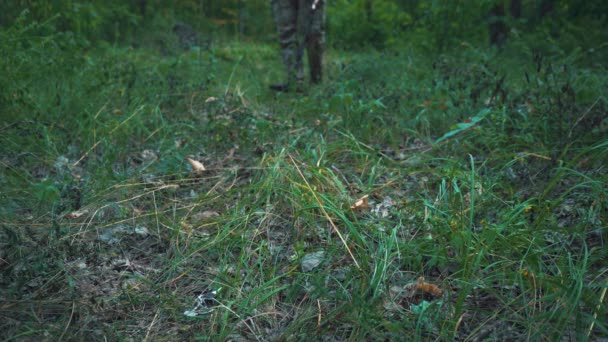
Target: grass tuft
point(453, 198)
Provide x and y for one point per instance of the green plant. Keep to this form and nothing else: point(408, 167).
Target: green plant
point(450, 196)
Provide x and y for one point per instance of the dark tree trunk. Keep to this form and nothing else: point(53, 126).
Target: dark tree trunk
point(498, 28)
point(368, 10)
point(515, 9)
point(546, 7)
point(142, 6)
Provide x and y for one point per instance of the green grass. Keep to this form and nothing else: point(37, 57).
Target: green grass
point(495, 191)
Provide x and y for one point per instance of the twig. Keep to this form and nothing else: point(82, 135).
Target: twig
point(324, 212)
point(599, 305)
point(151, 325)
point(320, 313)
point(69, 322)
point(582, 117)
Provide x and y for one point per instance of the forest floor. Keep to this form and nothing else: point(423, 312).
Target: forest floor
point(161, 193)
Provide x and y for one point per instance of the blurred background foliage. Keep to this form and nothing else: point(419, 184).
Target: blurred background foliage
point(435, 25)
point(49, 48)
point(96, 93)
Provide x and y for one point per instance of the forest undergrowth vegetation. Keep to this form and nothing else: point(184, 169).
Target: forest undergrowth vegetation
point(162, 193)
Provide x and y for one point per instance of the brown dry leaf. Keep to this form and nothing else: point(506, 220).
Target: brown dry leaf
point(428, 288)
point(203, 215)
point(360, 204)
point(76, 214)
point(421, 287)
point(197, 166)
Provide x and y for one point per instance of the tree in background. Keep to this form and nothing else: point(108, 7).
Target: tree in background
point(435, 25)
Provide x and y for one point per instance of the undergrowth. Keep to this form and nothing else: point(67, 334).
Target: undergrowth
point(317, 214)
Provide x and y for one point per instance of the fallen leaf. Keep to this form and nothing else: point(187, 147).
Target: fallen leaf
point(197, 166)
point(360, 204)
point(142, 230)
point(311, 260)
point(421, 287)
point(428, 288)
point(76, 214)
point(203, 215)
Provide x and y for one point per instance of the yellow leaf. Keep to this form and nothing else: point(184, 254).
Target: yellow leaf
point(360, 204)
point(197, 166)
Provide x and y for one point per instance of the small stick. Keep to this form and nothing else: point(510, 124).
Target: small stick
point(331, 222)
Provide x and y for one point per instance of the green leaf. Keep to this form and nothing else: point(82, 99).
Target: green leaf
point(463, 126)
point(46, 191)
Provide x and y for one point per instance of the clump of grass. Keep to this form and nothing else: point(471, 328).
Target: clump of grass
point(316, 214)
